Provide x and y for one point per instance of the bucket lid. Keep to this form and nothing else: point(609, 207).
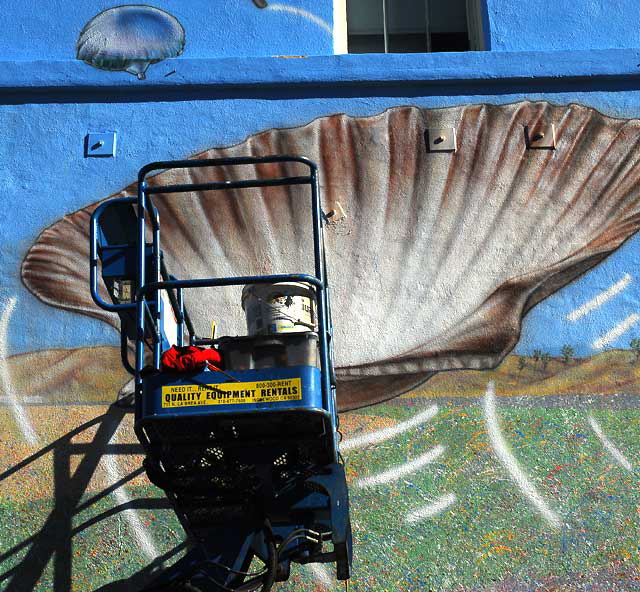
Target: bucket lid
point(263, 290)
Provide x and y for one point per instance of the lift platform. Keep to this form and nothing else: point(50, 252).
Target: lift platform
point(247, 453)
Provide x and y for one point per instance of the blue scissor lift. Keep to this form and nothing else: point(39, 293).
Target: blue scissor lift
point(257, 478)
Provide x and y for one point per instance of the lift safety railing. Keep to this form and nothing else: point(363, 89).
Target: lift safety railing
point(176, 299)
point(161, 280)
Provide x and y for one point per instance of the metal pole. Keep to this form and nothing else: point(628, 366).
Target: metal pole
point(321, 294)
point(181, 314)
point(427, 25)
point(157, 346)
point(385, 30)
point(140, 284)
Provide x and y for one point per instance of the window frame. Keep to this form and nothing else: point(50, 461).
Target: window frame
point(475, 26)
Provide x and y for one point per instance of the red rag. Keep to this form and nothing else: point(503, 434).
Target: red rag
point(189, 358)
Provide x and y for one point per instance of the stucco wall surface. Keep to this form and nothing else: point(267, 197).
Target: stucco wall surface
point(552, 26)
point(50, 30)
point(486, 299)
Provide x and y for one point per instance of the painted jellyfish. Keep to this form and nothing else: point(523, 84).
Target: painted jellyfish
point(130, 38)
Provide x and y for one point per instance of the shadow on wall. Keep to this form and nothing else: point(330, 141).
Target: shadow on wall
point(54, 542)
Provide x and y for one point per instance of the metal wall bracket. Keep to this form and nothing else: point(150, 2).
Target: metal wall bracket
point(336, 215)
point(441, 139)
point(101, 144)
point(541, 136)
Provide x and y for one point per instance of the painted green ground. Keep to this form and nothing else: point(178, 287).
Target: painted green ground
point(490, 538)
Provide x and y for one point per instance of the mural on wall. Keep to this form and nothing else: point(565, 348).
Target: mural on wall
point(480, 467)
point(444, 252)
point(130, 38)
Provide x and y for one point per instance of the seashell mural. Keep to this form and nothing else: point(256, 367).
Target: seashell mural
point(440, 254)
point(130, 38)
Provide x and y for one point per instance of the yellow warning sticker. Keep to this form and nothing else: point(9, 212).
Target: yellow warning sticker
point(230, 393)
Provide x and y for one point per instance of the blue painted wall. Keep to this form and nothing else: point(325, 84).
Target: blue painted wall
point(44, 30)
point(563, 24)
point(206, 98)
point(220, 102)
point(303, 27)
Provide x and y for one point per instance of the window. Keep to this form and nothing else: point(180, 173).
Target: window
point(413, 26)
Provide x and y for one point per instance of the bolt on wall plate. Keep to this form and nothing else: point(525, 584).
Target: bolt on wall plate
point(100, 144)
point(441, 139)
point(541, 136)
point(336, 215)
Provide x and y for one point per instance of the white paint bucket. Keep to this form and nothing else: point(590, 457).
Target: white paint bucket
point(285, 307)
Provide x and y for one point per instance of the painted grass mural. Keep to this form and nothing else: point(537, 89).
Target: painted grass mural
point(476, 493)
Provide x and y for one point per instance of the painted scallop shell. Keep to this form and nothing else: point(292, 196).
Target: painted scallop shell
point(440, 254)
point(130, 38)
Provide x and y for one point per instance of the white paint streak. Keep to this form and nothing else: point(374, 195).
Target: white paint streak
point(141, 534)
point(19, 413)
point(599, 299)
point(620, 329)
point(440, 505)
point(320, 574)
point(400, 471)
point(304, 14)
point(609, 446)
point(510, 463)
point(390, 432)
